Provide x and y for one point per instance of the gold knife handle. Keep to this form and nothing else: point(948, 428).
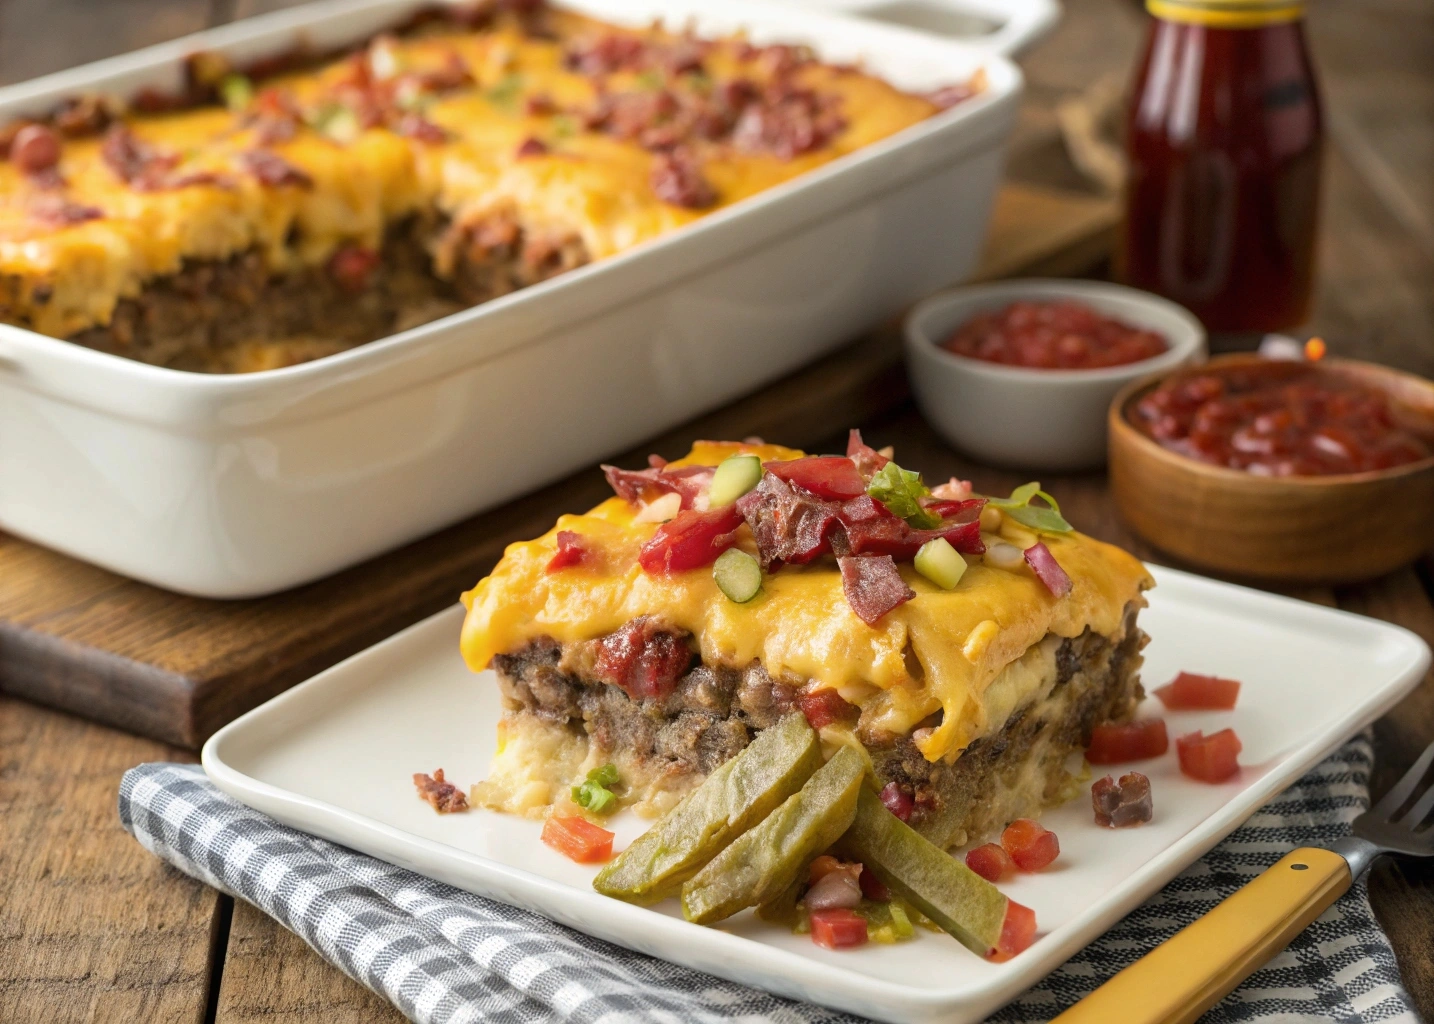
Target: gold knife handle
point(1184, 976)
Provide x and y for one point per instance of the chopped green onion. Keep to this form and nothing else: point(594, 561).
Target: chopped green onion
point(940, 563)
point(337, 122)
point(650, 80)
point(1018, 506)
point(593, 792)
point(505, 91)
point(738, 575)
point(604, 776)
point(899, 490)
point(737, 475)
point(900, 923)
point(236, 91)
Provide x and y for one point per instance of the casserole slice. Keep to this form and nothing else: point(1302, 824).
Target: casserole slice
point(619, 638)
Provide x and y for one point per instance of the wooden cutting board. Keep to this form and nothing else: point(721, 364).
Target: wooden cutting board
point(177, 668)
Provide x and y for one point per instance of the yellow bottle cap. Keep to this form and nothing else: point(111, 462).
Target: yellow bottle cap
point(1227, 13)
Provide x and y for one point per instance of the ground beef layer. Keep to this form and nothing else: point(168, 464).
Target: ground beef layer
point(234, 316)
point(712, 713)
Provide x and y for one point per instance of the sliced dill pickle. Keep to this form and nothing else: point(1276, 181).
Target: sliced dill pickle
point(960, 901)
point(782, 908)
point(733, 799)
point(764, 861)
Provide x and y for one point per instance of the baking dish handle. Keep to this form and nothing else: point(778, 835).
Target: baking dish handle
point(1021, 22)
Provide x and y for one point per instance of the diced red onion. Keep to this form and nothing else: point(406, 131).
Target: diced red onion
point(1048, 570)
point(834, 890)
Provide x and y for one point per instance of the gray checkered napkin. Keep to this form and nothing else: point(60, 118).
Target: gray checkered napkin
point(445, 956)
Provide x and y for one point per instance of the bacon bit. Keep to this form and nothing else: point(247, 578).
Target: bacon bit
point(59, 212)
point(1134, 741)
point(352, 268)
point(824, 706)
point(868, 460)
point(442, 795)
point(540, 105)
point(271, 169)
point(946, 508)
point(35, 149)
point(643, 659)
point(827, 476)
point(142, 166)
point(1018, 931)
point(607, 53)
point(638, 486)
point(578, 839)
point(413, 126)
point(84, 115)
point(1122, 804)
point(898, 801)
point(948, 96)
point(790, 527)
point(571, 551)
point(871, 528)
point(1191, 692)
point(677, 179)
point(787, 121)
point(1048, 570)
point(872, 585)
point(990, 861)
point(1209, 758)
point(532, 147)
point(692, 540)
point(1030, 845)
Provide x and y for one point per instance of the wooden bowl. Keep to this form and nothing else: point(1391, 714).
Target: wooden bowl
point(1314, 529)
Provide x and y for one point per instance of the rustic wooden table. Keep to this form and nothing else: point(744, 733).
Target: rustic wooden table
point(92, 927)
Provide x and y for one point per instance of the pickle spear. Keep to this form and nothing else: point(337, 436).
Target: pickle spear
point(733, 798)
point(764, 861)
point(930, 879)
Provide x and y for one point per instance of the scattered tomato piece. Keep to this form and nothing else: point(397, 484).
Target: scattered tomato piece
point(825, 706)
point(578, 839)
point(570, 551)
point(839, 928)
point(833, 477)
point(1122, 804)
point(693, 540)
point(1018, 931)
point(1133, 741)
point(898, 801)
point(991, 862)
point(1209, 758)
point(1030, 845)
point(872, 887)
point(1191, 692)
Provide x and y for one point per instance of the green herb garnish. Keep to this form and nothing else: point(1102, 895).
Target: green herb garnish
point(899, 490)
point(593, 793)
point(1018, 507)
point(650, 80)
point(564, 126)
point(237, 91)
point(506, 90)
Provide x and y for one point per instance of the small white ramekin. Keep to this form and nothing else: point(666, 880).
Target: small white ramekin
point(1031, 418)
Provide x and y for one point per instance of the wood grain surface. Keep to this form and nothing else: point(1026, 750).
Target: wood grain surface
point(92, 928)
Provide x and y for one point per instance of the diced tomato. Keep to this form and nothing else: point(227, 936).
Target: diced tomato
point(1133, 741)
point(1030, 845)
point(578, 839)
point(825, 706)
point(570, 551)
point(897, 801)
point(872, 887)
point(352, 268)
point(990, 861)
point(1191, 692)
point(693, 540)
point(838, 928)
point(1209, 758)
point(833, 477)
point(821, 867)
point(1018, 931)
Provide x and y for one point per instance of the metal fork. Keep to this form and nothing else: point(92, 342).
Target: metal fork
point(1198, 966)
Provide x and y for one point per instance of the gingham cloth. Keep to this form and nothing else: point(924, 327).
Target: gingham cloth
point(445, 956)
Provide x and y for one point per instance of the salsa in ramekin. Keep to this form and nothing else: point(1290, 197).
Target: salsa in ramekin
point(1057, 335)
point(1279, 419)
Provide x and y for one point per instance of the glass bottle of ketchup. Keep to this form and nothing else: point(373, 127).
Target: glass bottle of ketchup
point(1224, 137)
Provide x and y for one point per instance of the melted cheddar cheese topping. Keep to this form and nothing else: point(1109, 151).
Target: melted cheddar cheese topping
point(940, 651)
point(64, 277)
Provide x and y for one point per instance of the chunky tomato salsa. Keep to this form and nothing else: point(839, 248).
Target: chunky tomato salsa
point(1279, 419)
point(1053, 336)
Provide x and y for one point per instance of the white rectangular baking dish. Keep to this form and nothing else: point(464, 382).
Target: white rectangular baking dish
point(237, 486)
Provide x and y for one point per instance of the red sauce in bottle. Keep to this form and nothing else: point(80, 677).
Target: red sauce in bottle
point(1223, 138)
point(1053, 336)
point(1279, 419)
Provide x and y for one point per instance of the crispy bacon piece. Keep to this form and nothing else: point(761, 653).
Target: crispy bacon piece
point(789, 121)
point(1048, 570)
point(692, 540)
point(415, 126)
point(874, 533)
point(352, 268)
point(872, 586)
point(1122, 804)
point(35, 149)
point(640, 485)
point(59, 212)
point(946, 508)
point(824, 706)
point(532, 147)
point(604, 54)
point(571, 551)
point(677, 179)
point(142, 166)
point(269, 168)
point(444, 797)
point(790, 525)
point(643, 659)
point(827, 476)
point(88, 114)
point(868, 460)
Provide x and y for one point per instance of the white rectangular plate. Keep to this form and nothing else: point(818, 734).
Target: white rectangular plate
point(334, 757)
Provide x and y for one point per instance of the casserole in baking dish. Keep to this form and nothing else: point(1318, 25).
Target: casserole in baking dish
point(235, 485)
